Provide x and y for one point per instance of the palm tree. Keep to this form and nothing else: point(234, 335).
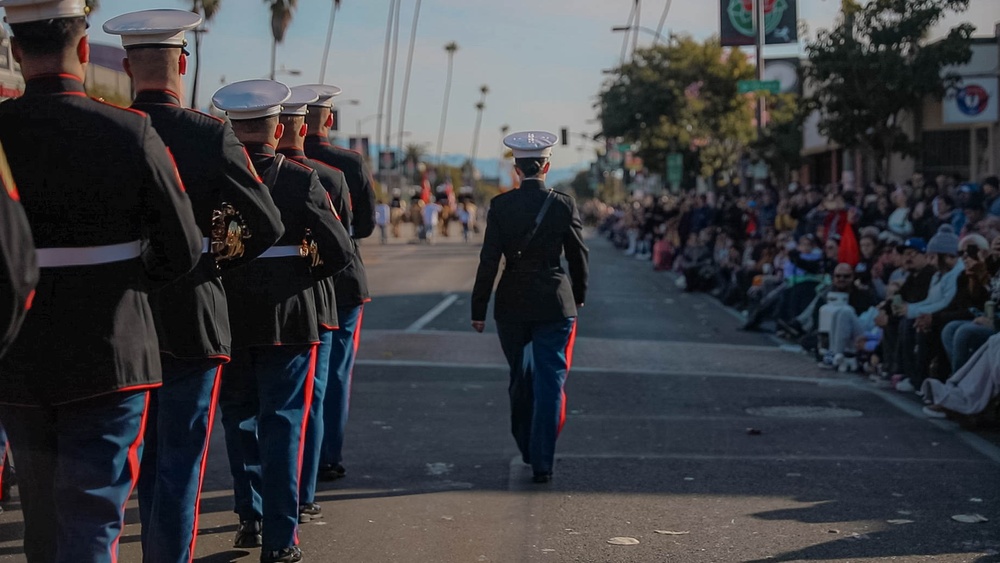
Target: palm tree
point(329, 37)
point(450, 48)
point(414, 153)
point(281, 18)
point(207, 9)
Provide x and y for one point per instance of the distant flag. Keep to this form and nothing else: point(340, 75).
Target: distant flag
point(849, 252)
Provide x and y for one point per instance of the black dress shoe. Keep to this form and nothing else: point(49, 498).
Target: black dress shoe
point(331, 472)
point(541, 478)
point(287, 555)
point(310, 512)
point(248, 534)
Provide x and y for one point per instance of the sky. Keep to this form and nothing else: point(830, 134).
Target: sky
point(541, 59)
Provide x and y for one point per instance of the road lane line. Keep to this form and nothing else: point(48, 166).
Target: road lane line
point(432, 314)
point(615, 370)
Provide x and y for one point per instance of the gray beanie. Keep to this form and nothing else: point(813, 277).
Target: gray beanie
point(944, 242)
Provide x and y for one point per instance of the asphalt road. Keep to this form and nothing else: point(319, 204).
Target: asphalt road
point(698, 441)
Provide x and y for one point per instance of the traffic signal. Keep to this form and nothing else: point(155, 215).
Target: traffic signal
point(565, 136)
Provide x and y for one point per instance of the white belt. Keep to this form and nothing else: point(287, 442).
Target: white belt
point(87, 255)
point(282, 252)
point(206, 245)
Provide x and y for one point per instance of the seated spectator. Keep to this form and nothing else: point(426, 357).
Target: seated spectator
point(972, 387)
point(899, 220)
point(913, 256)
point(915, 335)
point(961, 338)
point(802, 273)
point(847, 302)
point(991, 191)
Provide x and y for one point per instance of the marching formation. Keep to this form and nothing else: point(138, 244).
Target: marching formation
point(176, 264)
point(195, 263)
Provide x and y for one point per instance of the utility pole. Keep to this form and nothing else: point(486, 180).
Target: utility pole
point(760, 38)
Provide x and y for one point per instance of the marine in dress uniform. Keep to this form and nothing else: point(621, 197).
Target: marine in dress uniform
point(351, 286)
point(293, 114)
point(18, 277)
point(111, 222)
point(536, 303)
point(267, 387)
point(18, 267)
point(191, 317)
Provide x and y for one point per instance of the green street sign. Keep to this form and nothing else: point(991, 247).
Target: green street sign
point(675, 169)
point(747, 86)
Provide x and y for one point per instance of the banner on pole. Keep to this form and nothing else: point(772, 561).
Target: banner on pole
point(780, 22)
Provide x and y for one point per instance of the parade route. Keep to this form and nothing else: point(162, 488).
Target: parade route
point(701, 442)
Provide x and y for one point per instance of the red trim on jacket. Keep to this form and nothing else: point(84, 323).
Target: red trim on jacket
point(177, 173)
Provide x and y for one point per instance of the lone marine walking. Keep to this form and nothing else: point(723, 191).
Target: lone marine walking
point(536, 303)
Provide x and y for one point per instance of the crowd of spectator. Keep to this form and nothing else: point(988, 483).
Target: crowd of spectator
point(899, 283)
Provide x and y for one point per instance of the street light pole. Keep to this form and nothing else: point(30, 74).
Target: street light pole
point(620, 28)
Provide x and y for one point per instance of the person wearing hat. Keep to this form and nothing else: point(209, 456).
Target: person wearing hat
point(112, 222)
point(293, 113)
point(267, 387)
point(191, 317)
point(943, 254)
point(352, 287)
point(918, 274)
point(536, 303)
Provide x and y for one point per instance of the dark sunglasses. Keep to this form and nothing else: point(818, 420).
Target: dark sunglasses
point(843, 276)
point(971, 252)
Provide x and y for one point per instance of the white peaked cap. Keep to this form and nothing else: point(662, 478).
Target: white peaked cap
point(251, 99)
point(531, 144)
point(24, 11)
point(153, 28)
point(326, 93)
point(297, 103)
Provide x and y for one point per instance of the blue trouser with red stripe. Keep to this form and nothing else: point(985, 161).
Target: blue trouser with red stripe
point(77, 465)
point(539, 355)
point(338, 390)
point(3, 460)
point(313, 442)
point(264, 399)
point(174, 451)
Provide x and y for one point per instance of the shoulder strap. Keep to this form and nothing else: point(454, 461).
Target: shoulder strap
point(538, 221)
point(271, 176)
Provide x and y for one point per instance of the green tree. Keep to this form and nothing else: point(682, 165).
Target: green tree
point(281, 18)
point(682, 97)
point(875, 68)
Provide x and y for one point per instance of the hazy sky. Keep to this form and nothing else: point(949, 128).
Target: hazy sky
point(542, 59)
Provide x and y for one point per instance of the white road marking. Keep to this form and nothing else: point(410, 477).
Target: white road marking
point(432, 314)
